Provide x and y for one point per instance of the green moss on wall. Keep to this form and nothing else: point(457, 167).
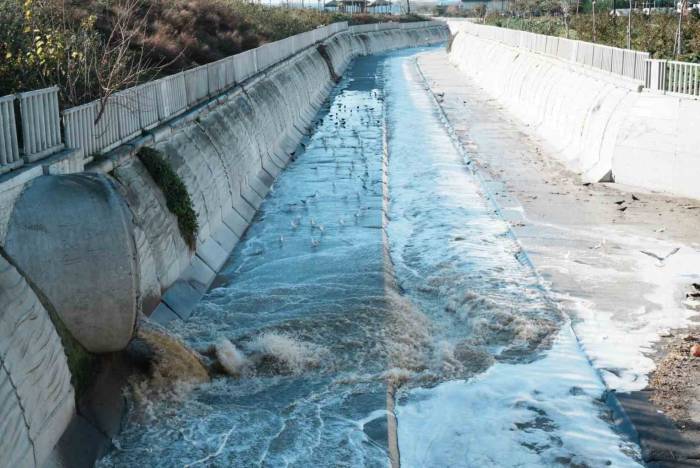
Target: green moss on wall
point(81, 363)
point(176, 195)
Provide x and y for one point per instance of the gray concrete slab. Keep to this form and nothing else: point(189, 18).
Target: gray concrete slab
point(198, 274)
point(181, 298)
point(211, 252)
point(236, 223)
point(225, 237)
point(163, 314)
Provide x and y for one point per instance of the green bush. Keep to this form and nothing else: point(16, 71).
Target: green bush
point(176, 195)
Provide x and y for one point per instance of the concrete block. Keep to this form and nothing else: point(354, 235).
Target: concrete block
point(181, 298)
point(198, 275)
point(212, 254)
point(260, 184)
point(245, 209)
point(163, 314)
point(236, 223)
point(225, 237)
point(66, 162)
point(251, 196)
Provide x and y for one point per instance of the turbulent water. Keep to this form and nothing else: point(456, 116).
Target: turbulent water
point(381, 313)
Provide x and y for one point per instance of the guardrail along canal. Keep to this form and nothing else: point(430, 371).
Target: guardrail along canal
point(385, 314)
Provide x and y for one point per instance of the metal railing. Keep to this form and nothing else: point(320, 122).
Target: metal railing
point(673, 77)
point(624, 62)
point(100, 126)
point(9, 149)
point(41, 127)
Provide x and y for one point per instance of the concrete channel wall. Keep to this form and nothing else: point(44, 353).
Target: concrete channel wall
point(101, 246)
point(602, 125)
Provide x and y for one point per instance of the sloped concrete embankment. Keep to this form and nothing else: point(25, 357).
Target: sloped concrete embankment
point(602, 126)
point(101, 247)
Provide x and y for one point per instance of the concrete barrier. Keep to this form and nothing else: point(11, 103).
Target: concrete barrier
point(600, 125)
point(37, 399)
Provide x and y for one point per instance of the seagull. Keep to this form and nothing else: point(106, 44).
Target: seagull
point(660, 258)
point(315, 242)
point(599, 244)
point(294, 223)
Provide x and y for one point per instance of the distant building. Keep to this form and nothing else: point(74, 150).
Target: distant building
point(380, 7)
point(347, 6)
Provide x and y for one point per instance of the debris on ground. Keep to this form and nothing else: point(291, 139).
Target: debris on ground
point(676, 377)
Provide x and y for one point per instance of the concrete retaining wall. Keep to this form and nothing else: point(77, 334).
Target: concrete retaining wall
point(598, 124)
point(36, 396)
point(103, 246)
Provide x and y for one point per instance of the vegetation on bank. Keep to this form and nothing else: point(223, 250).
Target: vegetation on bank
point(81, 363)
point(93, 48)
point(176, 195)
point(655, 33)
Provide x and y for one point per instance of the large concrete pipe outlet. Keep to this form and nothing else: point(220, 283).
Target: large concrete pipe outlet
point(72, 236)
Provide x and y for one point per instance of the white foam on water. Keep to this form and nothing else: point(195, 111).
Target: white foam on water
point(295, 355)
point(543, 413)
point(231, 358)
point(541, 408)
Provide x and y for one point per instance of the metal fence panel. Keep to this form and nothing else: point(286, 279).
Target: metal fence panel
point(172, 96)
point(148, 104)
point(79, 127)
point(9, 148)
point(196, 84)
point(41, 126)
point(126, 104)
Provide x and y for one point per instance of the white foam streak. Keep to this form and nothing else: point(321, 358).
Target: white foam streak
point(535, 414)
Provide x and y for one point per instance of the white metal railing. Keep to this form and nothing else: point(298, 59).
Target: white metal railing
point(41, 127)
point(673, 77)
point(196, 85)
point(148, 96)
point(9, 149)
point(623, 62)
point(99, 126)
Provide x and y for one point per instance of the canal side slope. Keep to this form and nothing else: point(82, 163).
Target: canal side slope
point(600, 125)
point(593, 244)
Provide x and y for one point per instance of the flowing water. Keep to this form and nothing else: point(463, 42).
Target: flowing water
point(382, 314)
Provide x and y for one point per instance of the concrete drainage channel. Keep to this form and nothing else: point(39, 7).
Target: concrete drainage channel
point(104, 246)
point(660, 441)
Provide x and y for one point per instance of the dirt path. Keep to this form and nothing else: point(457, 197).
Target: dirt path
point(594, 246)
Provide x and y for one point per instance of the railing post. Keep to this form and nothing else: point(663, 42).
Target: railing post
point(656, 74)
point(9, 150)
